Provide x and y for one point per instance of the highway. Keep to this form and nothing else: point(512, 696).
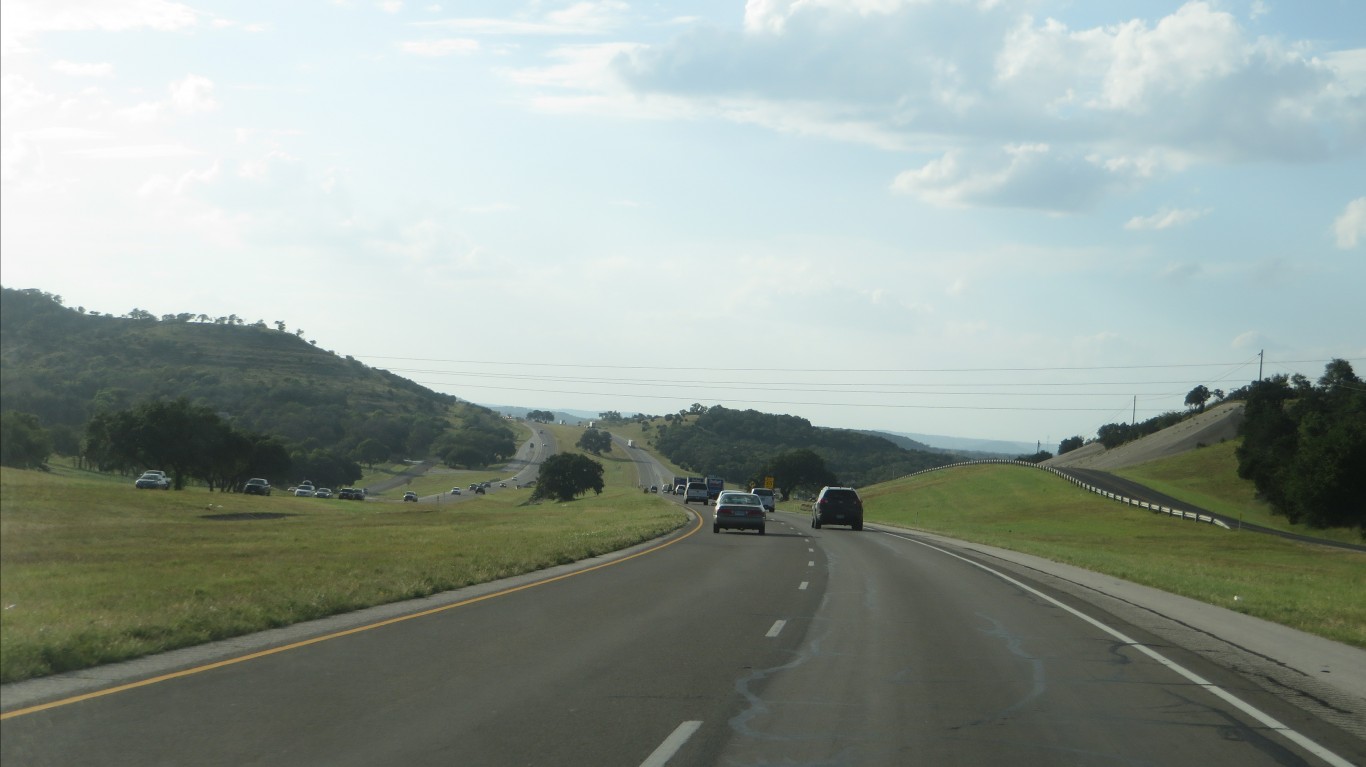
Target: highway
point(801, 647)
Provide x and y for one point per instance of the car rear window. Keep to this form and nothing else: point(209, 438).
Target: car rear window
point(841, 496)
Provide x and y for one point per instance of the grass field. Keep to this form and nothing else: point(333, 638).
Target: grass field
point(93, 571)
point(1312, 588)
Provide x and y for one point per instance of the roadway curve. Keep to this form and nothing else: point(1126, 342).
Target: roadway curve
point(799, 647)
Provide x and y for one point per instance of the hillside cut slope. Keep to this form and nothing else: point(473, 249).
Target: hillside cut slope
point(1219, 423)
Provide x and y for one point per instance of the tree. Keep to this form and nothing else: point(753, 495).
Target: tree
point(543, 416)
point(799, 469)
point(1070, 444)
point(566, 476)
point(1197, 398)
point(1304, 446)
point(24, 444)
point(595, 441)
point(371, 452)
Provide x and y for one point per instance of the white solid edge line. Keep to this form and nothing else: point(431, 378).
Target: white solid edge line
point(1247, 708)
point(803, 585)
point(671, 744)
point(776, 630)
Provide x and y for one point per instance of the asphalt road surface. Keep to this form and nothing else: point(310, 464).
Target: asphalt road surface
point(801, 647)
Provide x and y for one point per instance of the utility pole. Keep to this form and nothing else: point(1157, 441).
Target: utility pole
point(1133, 419)
point(1260, 358)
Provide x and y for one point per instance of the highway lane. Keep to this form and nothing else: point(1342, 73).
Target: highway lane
point(799, 647)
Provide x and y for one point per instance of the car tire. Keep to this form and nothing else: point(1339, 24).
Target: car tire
point(761, 530)
point(816, 523)
point(716, 528)
point(857, 526)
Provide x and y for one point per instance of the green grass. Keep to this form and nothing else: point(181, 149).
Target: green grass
point(94, 571)
point(1311, 588)
point(1208, 477)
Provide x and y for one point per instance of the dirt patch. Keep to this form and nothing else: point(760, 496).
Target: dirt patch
point(1215, 425)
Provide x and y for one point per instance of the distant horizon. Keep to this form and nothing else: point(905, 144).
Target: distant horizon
point(950, 441)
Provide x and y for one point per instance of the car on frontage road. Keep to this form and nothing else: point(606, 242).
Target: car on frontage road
point(256, 486)
point(740, 511)
point(153, 480)
point(410, 496)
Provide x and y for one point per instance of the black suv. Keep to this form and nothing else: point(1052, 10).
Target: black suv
point(256, 486)
point(837, 506)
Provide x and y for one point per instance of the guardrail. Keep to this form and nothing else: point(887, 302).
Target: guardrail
point(1155, 508)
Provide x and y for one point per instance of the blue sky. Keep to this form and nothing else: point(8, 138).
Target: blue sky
point(985, 218)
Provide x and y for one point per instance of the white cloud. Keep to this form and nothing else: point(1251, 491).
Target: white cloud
point(1350, 227)
point(1251, 339)
point(76, 69)
point(1114, 104)
point(1031, 176)
point(193, 94)
point(444, 47)
point(586, 18)
point(1165, 219)
point(25, 18)
point(391, 6)
point(136, 152)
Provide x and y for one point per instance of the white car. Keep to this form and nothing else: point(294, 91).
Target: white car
point(767, 497)
point(303, 491)
point(455, 491)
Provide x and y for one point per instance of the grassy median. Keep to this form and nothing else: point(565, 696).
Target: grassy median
point(93, 571)
point(1312, 588)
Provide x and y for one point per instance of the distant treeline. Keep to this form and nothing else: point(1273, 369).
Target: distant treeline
point(738, 444)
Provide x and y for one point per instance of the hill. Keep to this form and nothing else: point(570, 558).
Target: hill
point(64, 365)
point(735, 444)
point(1215, 425)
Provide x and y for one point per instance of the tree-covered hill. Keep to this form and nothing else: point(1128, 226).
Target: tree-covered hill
point(736, 444)
point(65, 365)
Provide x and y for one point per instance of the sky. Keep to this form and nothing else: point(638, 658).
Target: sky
point(998, 219)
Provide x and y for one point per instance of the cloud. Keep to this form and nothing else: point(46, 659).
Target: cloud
point(75, 69)
point(1350, 227)
point(443, 47)
point(1165, 219)
point(193, 94)
point(26, 18)
point(1114, 105)
point(1031, 176)
point(586, 18)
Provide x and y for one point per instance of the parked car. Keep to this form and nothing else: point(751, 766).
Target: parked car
point(323, 492)
point(455, 491)
point(153, 480)
point(303, 491)
point(502, 484)
point(410, 496)
point(654, 488)
point(479, 490)
point(350, 494)
point(837, 506)
point(696, 491)
point(741, 511)
point(256, 486)
point(768, 497)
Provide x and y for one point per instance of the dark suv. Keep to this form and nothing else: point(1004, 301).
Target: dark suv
point(837, 506)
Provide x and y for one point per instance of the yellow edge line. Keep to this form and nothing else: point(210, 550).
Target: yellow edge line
point(335, 635)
